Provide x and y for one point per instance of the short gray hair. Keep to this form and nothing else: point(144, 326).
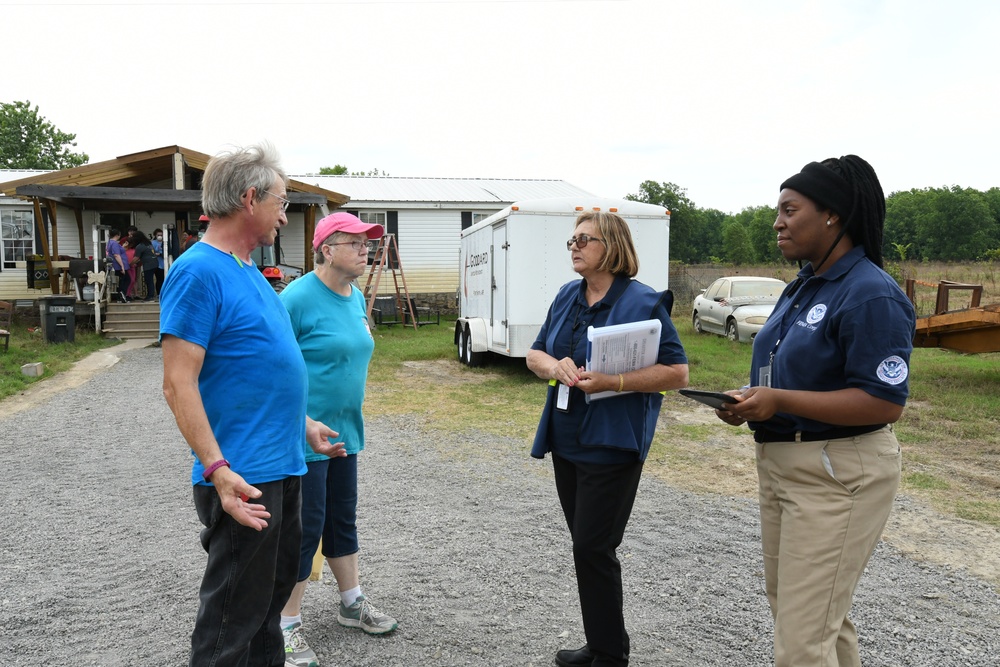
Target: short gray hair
point(231, 173)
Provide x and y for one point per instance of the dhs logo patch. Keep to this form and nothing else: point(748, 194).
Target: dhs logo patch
point(892, 370)
point(816, 313)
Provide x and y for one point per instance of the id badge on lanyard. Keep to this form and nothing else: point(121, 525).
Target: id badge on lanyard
point(764, 372)
point(562, 397)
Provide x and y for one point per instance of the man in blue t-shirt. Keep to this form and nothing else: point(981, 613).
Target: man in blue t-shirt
point(236, 382)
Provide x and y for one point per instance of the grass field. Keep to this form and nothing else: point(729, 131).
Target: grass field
point(27, 346)
point(948, 431)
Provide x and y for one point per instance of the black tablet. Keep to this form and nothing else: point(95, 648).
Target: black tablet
point(713, 398)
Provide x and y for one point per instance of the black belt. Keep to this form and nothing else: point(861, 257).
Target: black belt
point(766, 435)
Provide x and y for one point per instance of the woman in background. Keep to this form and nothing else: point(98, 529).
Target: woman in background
point(146, 262)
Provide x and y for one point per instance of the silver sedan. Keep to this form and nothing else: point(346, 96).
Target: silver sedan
point(736, 306)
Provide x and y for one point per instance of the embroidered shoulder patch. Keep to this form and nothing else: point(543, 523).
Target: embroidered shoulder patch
point(892, 370)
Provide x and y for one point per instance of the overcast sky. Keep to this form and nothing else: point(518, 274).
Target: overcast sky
point(725, 98)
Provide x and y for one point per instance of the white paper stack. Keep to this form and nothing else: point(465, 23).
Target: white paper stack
point(621, 348)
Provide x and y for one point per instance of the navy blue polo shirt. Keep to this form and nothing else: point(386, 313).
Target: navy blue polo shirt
point(850, 327)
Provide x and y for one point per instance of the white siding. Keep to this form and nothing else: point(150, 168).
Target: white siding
point(14, 285)
point(429, 243)
point(293, 247)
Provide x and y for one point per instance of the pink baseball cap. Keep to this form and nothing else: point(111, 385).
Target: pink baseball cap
point(342, 221)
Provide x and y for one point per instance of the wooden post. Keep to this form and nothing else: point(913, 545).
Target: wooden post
point(79, 229)
point(318, 560)
point(40, 226)
point(310, 229)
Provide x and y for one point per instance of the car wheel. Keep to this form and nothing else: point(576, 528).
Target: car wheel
point(732, 333)
point(696, 321)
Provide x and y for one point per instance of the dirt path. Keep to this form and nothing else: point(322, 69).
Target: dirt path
point(463, 541)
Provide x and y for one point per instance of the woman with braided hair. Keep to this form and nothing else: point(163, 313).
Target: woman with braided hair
point(828, 379)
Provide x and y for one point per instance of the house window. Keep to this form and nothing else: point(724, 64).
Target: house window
point(17, 235)
point(469, 218)
point(372, 217)
point(389, 221)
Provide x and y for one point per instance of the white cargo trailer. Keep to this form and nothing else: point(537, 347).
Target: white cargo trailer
point(514, 262)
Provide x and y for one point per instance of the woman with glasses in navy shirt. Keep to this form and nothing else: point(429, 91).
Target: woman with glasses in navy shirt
point(598, 448)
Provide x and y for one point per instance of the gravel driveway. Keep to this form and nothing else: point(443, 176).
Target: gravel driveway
point(462, 541)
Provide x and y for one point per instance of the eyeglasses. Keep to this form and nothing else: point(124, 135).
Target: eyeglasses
point(284, 202)
point(581, 241)
point(357, 246)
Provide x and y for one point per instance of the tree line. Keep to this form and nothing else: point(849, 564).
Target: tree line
point(930, 224)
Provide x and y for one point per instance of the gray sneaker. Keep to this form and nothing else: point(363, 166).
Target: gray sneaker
point(363, 614)
point(297, 651)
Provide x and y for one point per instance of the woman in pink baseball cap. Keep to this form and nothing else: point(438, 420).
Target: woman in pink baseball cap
point(330, 322)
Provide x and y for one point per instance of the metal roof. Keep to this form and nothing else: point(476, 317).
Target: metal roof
point(490, 191)
point(18, 174)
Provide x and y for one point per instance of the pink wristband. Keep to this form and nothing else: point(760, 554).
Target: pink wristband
point(212, 468)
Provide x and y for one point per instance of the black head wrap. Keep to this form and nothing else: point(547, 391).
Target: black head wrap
point(824, 186)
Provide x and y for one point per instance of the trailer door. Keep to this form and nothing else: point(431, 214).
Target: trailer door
point(498, 307)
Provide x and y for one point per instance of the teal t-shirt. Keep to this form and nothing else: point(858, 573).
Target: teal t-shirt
point(336, 343)
point(253, 379)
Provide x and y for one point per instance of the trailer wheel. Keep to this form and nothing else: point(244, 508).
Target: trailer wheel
point(460, 342)
point(471, 359)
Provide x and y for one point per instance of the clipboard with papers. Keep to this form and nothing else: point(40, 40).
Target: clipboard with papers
point(621, 348)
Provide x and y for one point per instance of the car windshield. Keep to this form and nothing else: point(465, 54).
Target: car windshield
point(761, 289)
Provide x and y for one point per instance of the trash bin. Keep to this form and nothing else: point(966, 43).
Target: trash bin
point(58, 316)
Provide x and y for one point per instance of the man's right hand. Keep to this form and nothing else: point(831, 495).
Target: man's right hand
point(236, 496)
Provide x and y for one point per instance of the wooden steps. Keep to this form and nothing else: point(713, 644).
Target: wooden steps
point(136, 319)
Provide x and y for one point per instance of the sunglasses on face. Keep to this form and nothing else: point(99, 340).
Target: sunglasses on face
point(581, 241)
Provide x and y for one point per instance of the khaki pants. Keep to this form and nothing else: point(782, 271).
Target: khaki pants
point(823, 506)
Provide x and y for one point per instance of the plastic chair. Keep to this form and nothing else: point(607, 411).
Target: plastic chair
point(6, 318)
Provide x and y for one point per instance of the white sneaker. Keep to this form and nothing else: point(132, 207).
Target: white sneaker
point(297, 651)
point(363, 614)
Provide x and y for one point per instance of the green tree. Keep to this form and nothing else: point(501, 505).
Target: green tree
point(341, 170)
point(754, 243)
point(736, 245)
point(942, 224)
point(961, 227)
point(762, 234)
point(901, 212)
point(684, 218)
point(992, 199)
point(709, 239)
point(29, 141)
